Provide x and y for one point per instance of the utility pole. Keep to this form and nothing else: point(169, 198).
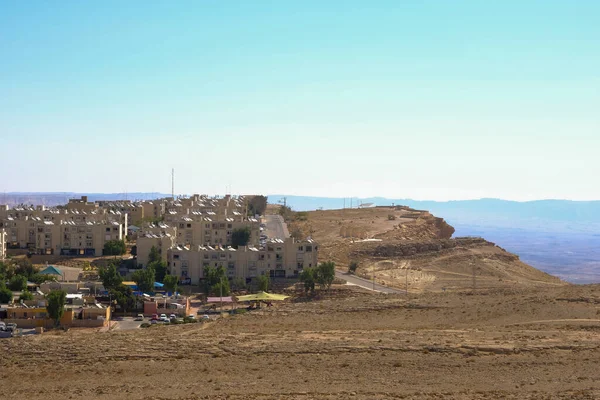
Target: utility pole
point(173, 183)
point(373, 277)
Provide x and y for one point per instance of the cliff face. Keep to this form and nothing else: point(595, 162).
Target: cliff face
point(397, 244)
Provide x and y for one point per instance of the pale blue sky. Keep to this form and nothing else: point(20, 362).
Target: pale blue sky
point(421, 99)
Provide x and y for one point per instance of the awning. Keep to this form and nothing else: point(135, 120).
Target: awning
point(262, 296)
point(227, 299)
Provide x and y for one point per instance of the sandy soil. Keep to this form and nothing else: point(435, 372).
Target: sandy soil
point(513, 344)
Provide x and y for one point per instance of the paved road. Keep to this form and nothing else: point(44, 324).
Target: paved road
point(367, 284)
point(276, 227)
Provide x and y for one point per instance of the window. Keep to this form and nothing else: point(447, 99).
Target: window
point(189, 225)
point(176, 256)
point(309, 248)
point(107, 229)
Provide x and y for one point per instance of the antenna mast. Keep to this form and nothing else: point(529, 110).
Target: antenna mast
point(173, 183)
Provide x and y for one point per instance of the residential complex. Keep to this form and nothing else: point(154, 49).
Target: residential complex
point(189, 233)
point(61, 231)
point(279, 258)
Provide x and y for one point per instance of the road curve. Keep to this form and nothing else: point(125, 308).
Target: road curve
point(367, 284)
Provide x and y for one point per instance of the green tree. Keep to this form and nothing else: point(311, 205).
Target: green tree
point(325, 274)
point(308, 278)
point(154, 255)
point(352, 267)
point(240, 237)
point(124, 297)
point(221, 288)
point(55, 306)
point(257, 205)
point(213, 276)
point(6, 271)
point(144, 279)
point(26, 295)
point(6, 295)
point(25, 267)
point(17, 283)
point(238, 283)
point(262, 283)
point(170, 282)
point(114, 248)
point(41, 278)
point(160, 269)
point(110, 277)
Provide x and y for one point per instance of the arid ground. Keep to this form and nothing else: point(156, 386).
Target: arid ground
point(535, 343)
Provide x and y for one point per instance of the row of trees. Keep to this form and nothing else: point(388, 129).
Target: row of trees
point(14, 276)
point(323, 275)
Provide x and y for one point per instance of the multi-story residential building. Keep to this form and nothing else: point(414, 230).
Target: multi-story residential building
point(66, 232)
point(280, 258)
point(198, 229)
point(162, 236)
point(2, 244)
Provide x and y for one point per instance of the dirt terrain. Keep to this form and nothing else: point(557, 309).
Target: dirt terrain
point(400, 245)
point(536, 343)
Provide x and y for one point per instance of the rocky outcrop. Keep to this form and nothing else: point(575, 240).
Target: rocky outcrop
point(409, 249)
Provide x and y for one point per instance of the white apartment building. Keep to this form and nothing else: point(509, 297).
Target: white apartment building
point(2, 244)
point(280, 258)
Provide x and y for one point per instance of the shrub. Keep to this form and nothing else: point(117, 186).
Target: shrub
point(145, 325)
point(391, 217)
point(352, 267)
point(240, 311)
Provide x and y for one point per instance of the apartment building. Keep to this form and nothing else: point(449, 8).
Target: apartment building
point(279, 258)
point(162, 236)
point(2, 244)
point(197, 229)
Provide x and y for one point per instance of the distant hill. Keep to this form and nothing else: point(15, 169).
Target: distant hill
point(560, 237)
point(51, 199)
point(544, 215)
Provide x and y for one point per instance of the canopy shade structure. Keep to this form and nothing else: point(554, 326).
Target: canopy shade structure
point(262, 296)
point(227, 299)
point(51, 270)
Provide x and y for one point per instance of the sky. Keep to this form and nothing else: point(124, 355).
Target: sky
point(413, 99)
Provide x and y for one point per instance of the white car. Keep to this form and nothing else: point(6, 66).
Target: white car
point(172, 316)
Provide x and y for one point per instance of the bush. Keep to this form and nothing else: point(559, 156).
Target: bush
point(145, 325)
point(18, 283)
point(391, 217)
point(240, 311)
point(6, 295)
point(26, 295)
point(189, 320)
point(352, 267)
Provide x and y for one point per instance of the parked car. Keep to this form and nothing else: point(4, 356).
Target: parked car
point(191, 316)
point(154, 317)
point(163, 316)
point(153, 321)
point(205, 317)
point(2, 327)
point(172, 316)
point(140, 317)
point(11, 327)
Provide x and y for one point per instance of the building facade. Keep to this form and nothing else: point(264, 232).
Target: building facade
point(279, 259)
point(2, 244)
